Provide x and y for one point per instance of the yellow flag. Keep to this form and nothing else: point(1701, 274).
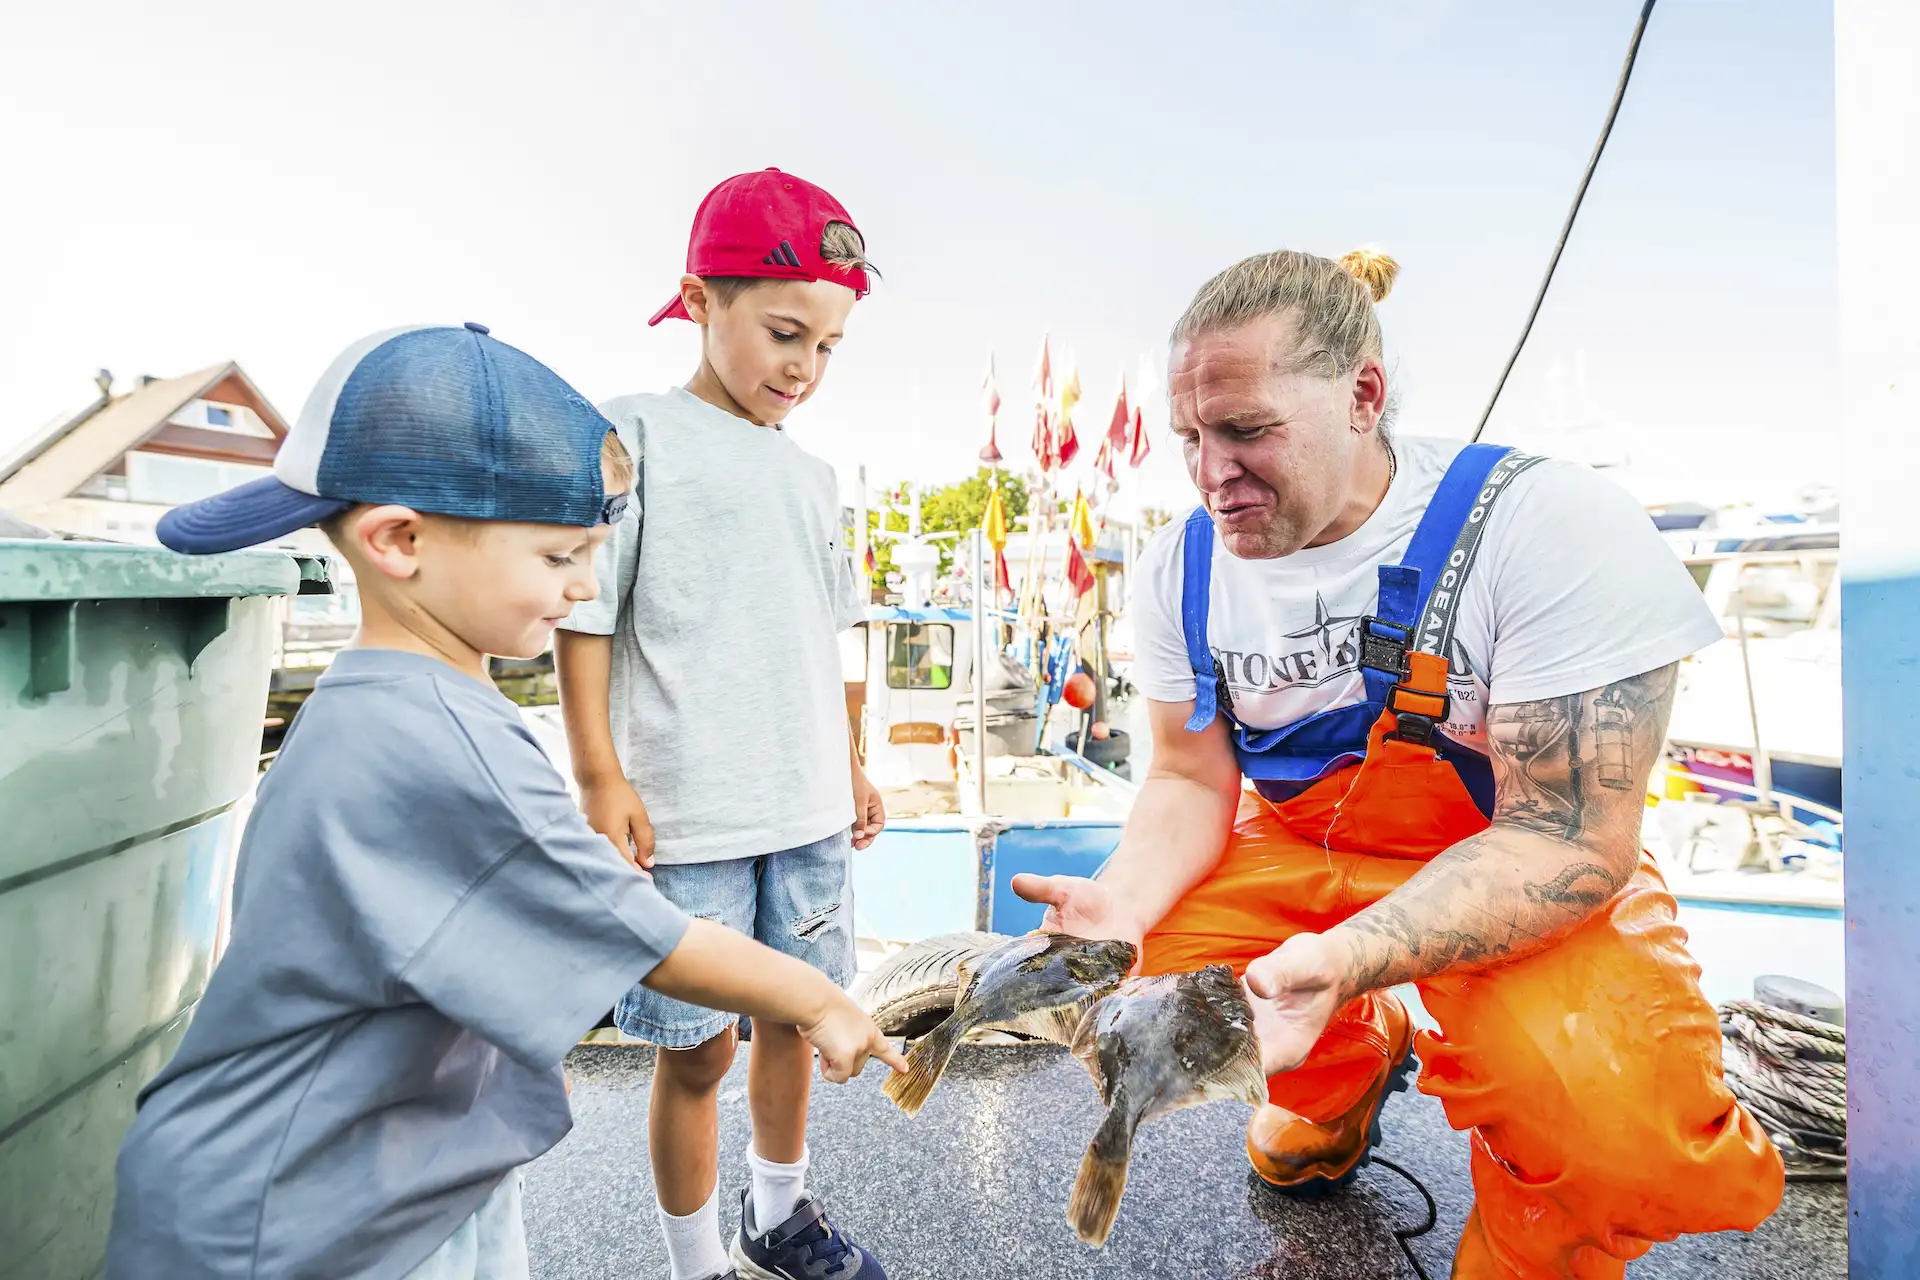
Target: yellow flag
point(995, 521)
point(1070, 391)
point(1082, 522)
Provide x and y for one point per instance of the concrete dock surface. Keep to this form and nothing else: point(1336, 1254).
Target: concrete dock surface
point(976, 1187)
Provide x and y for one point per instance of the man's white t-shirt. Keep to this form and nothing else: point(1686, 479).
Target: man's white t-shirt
point(725, 588)
point(1573, 589)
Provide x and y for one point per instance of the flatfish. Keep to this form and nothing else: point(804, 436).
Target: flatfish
point(1155, 1046)
point(1040, 985)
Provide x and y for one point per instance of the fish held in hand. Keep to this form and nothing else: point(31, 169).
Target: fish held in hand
point(1041, 985)
point(1155, 1046)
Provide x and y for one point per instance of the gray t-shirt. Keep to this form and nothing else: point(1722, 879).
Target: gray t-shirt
point(423, 925)
point(725, 588)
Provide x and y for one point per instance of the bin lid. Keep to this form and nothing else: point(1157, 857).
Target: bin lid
point(57, 570)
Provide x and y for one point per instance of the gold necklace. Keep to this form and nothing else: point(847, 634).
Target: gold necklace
point(1392, 466)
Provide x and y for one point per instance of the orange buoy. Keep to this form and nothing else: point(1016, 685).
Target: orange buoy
point(1099, 730)
point(1079, 691)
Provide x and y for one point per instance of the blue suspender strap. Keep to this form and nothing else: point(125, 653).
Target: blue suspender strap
point(1447, 514)
point(1406, 587)
point(1196, 584)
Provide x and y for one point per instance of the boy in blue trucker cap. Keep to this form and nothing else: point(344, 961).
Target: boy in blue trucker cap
point(423, 923)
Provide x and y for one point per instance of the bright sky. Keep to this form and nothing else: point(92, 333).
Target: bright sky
point(199, 181)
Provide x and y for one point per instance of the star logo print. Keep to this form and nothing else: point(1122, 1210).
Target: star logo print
point(1324, 625)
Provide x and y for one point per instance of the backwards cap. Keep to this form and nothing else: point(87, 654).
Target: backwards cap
point(444, 420)
point(764, 225)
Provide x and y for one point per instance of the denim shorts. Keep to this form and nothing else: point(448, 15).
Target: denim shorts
point(799, 902)
point(490, 1245)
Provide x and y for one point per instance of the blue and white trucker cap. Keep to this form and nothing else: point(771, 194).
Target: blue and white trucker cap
point(443, 420)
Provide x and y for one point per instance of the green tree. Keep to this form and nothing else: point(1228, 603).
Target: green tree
point(958, 506)
point(962, 505)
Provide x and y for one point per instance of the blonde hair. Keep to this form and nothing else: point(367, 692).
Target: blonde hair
point(1330, 302)
point(617, 463)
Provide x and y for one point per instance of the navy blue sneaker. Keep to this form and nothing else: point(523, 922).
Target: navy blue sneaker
point(804, 1247)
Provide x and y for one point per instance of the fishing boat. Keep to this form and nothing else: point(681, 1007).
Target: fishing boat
point(1747, 811)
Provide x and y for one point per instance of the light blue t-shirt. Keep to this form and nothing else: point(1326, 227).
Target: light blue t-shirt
point(423, 925)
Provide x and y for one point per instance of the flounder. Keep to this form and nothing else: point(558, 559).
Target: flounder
point(1155, 1046)
point(1039, 985)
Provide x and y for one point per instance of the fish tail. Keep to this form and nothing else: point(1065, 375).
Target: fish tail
point(1103, 1176)
point(925, 1062)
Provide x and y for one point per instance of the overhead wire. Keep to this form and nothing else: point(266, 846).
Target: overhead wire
point(1566, 230)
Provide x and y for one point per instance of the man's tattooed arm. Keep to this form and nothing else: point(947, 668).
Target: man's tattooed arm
point(1570, 782)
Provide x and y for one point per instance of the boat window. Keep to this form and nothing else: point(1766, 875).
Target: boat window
point(919, 655)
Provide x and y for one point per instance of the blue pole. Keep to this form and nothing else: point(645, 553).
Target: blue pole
point(1877, 121)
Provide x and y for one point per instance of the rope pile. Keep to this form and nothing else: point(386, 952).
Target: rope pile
point(1791, 1073)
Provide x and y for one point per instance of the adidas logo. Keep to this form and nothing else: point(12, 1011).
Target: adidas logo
point(784, 256)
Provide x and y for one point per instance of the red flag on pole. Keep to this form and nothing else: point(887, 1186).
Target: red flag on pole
point(1141, 445)
point(1065, 437)
point(991, 453)
point(1002, 579)
point(1043, 442)
point(1118, 428)
point(1077, 571)
point(1103, 460)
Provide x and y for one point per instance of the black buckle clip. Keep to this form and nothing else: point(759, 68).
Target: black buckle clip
point(1416, 727)
point(1385, 652)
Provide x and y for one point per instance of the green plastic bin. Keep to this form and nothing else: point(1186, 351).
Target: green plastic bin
point(132, 683)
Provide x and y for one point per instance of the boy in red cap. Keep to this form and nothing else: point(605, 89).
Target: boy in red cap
point(705, 707)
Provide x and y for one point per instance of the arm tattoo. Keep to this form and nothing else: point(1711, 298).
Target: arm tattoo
point(1569, 777)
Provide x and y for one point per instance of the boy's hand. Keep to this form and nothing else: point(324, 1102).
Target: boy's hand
point(869, 811)
point(846, 1037)
point(614, 809)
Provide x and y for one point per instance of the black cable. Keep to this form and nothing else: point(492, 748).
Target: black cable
point(1406, 1234)
point(1593, 163)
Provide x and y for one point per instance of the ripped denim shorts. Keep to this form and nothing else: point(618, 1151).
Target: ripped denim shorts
point(799, 902)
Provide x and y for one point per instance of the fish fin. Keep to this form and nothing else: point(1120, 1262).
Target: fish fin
point(1085, 1046)
point(925, 1062)
point(1242, 1076)
point(1103, 1177)
point(1057, 1025)
point(963, 979)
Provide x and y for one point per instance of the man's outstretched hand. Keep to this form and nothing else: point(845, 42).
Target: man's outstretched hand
point(1081, 907)
point(1295, 990)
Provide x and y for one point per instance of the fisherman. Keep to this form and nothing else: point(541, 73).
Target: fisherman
point(1445, 672)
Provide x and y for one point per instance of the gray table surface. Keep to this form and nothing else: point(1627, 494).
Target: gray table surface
point(976, 1186)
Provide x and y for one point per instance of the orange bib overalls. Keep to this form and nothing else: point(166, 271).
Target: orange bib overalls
point(1588, 1075)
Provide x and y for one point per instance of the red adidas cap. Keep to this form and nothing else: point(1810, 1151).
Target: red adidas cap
point(766, 225)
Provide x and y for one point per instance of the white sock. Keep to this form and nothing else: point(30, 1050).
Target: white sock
point(693, 1242)
point(777, 1188)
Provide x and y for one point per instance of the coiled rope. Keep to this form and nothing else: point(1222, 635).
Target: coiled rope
point(1790, 1072)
